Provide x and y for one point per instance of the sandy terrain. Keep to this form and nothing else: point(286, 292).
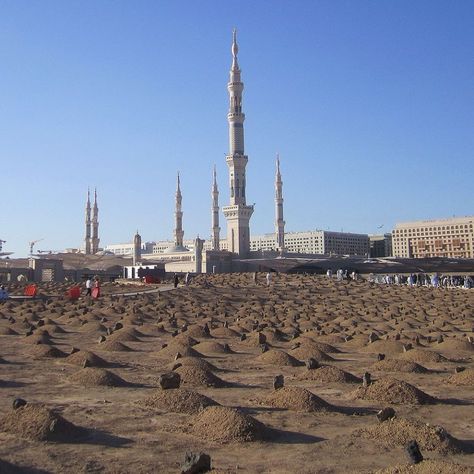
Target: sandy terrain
point(109, 415)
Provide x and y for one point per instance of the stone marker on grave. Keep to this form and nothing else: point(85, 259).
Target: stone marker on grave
point(18, 402)
point(413, 452)
point(278, 382)
point(196, 463)
point(386, 414)
point(169, 380)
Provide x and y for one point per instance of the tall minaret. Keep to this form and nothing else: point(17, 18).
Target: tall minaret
point(237, 213)
point(178, 231)
point(215, 214)
point(137, 248)
point(87, 239)
point(95, 226)
point(279, 222)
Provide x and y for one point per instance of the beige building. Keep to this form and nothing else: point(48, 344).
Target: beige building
point(128, 247)
point(453, 238)
point(320, 242)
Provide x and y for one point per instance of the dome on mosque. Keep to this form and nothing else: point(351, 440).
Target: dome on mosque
point(176, 249)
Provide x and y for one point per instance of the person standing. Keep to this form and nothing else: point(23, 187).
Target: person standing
point(186, 279)
point(3, 293)
point(175, 280)
point(96, 287)
point(88, 287)
point(269, 277)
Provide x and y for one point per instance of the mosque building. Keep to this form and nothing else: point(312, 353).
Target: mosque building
point(233, 252)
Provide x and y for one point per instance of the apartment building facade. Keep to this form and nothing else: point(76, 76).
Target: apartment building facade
point(320, 242)
point(451, 238)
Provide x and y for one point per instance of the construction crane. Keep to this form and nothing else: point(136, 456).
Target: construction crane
point(32, 244)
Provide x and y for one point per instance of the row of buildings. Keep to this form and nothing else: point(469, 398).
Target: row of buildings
point(319, 242)
point(449, 238)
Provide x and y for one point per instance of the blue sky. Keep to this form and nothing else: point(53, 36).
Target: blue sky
point(369, 103)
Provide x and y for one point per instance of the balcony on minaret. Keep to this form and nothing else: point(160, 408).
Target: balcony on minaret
point(232, 116)
point(239, 160)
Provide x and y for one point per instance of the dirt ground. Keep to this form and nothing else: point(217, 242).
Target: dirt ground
point(233, 337)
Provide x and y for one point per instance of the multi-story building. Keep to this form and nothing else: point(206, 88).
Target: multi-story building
point(300, 242)
point(128, 248)
point(380, 245)
point(321, 242)
point(452, 238)
point(159, 247)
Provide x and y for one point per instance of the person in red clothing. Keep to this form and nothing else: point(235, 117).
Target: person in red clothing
point(96, 290)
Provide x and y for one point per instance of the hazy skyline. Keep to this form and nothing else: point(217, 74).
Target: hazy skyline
point(369, 104)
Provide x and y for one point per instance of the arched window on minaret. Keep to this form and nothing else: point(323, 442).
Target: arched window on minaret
point(237, 188)
point(232, 188)
point(243, 187)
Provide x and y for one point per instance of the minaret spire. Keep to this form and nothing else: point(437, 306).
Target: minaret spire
point(279, 222)
point(215, 213)
point(87, 238)
point(95, 225)
point(178, 231)
point(235, 50)
point(237, 213)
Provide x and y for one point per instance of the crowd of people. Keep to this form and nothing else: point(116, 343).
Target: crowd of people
point(424, 279)
point(414, 279)
point(344, 275)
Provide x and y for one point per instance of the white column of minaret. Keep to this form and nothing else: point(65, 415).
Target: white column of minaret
point(279, 222)
point(87, 239)
point(95, 225)
point(236, 119)
point(237, 213)
point(178, 231)
point(215, 214)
